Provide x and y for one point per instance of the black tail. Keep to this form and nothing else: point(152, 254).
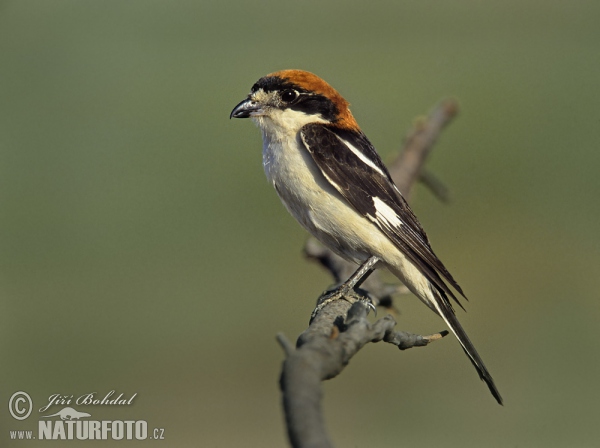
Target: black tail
point(445, 310)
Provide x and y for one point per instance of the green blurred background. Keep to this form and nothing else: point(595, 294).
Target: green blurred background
point(142, 250)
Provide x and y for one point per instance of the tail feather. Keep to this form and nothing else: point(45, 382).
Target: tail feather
point(444, 309)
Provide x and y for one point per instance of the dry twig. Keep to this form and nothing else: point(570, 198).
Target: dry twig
point(340, 329)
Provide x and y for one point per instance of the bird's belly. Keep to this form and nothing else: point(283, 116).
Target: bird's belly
point(318, 207)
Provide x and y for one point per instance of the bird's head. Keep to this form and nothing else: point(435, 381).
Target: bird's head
point(289, 99)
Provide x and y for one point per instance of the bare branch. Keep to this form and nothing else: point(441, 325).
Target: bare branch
point(435, 185)
point(340, 329)
point(323, 351)
point(407, 167)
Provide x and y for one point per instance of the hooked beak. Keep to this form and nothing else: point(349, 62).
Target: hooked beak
point(246, 108)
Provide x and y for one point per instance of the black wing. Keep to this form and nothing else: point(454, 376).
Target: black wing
point(350, 164)
point(360, 176)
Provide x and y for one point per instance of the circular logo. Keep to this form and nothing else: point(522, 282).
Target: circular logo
point(20, 405)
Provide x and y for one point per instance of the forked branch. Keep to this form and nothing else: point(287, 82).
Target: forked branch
point(340, 329)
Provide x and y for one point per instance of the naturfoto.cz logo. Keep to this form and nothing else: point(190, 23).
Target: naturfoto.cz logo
point(69, 423)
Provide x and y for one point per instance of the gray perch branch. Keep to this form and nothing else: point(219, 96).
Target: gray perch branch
point(340, 329)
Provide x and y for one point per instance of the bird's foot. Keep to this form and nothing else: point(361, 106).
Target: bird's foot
point(343, 292)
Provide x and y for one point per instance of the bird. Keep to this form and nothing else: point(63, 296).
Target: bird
point(333, 182)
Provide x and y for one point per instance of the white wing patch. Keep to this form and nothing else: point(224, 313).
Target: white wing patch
point(386, 214)
point(361, 156)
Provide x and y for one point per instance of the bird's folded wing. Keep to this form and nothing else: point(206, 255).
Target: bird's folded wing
point(352, 166)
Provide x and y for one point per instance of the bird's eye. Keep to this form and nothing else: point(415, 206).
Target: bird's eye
point(289, 95)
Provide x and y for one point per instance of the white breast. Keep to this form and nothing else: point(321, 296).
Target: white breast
point(315, 203)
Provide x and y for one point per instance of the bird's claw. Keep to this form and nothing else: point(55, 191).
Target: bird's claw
point(344, 293)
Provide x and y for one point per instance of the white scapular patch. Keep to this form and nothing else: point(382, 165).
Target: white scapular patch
point(361, 156)
point(386, 214)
